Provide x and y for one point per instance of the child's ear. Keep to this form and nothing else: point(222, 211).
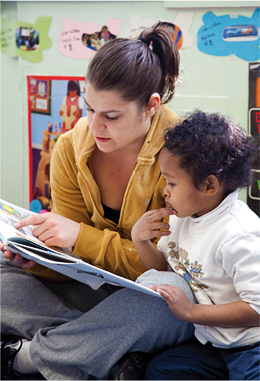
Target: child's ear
point(211, 185)
point(153, 104)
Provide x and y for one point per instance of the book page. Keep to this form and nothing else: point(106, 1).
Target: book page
point(9, 215)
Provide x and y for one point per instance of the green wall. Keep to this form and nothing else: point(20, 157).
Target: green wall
point(209, 82)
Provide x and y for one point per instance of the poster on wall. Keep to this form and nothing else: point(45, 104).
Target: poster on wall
point(253, 196)
point(226, 35)
point(20, 39)
point(55, 104)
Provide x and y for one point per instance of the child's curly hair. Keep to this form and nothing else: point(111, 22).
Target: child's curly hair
point(210, 144)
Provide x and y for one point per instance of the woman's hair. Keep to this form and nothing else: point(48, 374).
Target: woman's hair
point(210, 144)
point(137, 68)
point(72, 86)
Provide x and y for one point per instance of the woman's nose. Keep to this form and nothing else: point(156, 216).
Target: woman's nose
point(97, 123)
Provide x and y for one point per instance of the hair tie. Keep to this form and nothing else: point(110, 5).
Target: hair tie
point(144, 41)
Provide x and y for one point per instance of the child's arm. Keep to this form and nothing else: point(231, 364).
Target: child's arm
point(229, 315)
point(146, 228)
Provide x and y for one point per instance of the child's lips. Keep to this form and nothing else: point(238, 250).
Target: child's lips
point(171, 207)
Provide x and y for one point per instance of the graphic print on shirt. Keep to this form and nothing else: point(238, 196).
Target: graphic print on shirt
point(190, 271)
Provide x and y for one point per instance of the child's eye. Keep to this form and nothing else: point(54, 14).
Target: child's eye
point(90, 110)
point(171, 184)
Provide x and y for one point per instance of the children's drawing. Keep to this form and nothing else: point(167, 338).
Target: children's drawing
point(226, 35)
point(80, 40)
point(66, 106)
point(25, 40)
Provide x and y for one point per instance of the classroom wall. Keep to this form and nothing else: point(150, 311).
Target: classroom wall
point(209, 82)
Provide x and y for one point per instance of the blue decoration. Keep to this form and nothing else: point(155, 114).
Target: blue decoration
point(225, 35)
point(35, 206)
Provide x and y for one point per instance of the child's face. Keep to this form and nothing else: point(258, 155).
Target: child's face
point(181, 194)
point(72, 93)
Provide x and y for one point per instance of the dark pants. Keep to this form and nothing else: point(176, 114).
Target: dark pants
point(195, 361)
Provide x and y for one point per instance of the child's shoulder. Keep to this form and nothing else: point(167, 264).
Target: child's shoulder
point(245, 218)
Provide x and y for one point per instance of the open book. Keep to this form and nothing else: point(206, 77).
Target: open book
point(23, 242)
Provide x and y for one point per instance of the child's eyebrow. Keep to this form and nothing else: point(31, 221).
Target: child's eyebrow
point(169, 175)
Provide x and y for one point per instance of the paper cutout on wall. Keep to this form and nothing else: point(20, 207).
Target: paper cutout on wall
point(178, 28)
point(226, 35)
point(19, 38)
point(80, 40)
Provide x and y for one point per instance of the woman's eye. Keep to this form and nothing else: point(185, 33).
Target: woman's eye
point(90, 110)
point(171, 184)
point(110, 118)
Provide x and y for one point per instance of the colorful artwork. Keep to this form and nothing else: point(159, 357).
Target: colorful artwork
point(64, 98)
point(226, 35)
point(253, 197)
point(25, 40)
point(80, 40)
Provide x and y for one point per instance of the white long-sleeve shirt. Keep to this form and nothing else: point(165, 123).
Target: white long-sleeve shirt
point(219, 255)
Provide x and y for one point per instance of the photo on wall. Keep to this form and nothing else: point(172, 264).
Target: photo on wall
point(55, 104)
point(97, 39)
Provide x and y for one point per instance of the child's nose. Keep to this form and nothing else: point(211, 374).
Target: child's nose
point(166, 191)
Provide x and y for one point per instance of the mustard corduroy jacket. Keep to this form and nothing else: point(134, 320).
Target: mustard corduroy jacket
point(76, 195)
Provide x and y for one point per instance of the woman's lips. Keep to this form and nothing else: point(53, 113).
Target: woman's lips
point(101, 140)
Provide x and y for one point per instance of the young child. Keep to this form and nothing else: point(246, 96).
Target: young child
point(72, 98)
point(213, 241)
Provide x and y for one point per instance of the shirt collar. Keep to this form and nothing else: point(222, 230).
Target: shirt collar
point(221, 208)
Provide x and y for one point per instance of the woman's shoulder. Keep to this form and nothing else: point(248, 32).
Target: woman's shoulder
point(169, 116)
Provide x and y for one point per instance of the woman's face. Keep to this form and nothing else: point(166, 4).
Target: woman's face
point(115, 123)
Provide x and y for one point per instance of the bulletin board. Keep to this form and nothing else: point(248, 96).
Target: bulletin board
point(55, 104)
point(253, 197)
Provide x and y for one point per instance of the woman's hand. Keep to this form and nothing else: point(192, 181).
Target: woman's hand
point(176, 299)
point(150, 225)
point(17, 259)
point(52, 229)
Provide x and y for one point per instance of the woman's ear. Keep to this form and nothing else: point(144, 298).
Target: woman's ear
point(211, 185)
point(153, 104)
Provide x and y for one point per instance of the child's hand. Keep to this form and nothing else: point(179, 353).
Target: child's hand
point(176, 299)
point(150, 225)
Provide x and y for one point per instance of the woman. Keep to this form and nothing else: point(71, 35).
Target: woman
point(104, 176)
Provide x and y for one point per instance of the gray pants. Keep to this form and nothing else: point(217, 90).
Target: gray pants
point(76, 332)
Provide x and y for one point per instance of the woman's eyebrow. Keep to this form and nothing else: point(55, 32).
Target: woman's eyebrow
point(105, 112)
